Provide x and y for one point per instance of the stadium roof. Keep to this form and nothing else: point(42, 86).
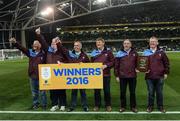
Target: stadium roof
point(25, 14)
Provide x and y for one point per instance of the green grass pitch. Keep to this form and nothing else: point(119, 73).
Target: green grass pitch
point(15, 94)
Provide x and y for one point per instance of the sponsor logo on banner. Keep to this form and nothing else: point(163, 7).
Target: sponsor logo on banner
point(46, 75)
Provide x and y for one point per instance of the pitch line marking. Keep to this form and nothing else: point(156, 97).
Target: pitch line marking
point(78, 112)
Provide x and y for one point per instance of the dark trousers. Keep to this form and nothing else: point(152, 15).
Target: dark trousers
point(74, 98)
point(132, 88)
point(58, 97)
point(107, 94)
point(155, 87)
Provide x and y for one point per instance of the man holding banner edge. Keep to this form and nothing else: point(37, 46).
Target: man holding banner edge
point(104, 55)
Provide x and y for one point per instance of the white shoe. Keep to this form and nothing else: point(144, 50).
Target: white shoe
point(54, 108)
point(63, 108)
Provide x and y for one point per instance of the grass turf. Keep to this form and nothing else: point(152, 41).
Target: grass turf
point(15, 94)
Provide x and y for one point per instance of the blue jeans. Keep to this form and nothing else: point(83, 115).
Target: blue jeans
point(35, 93)
point(74, 98)
point(155, 87)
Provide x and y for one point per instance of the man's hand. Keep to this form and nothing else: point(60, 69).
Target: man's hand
point(165, 76)
point(38, 31)
point(57, 40)
point(59, 62)
point(104, 66)
point(137, 71)
point(12, 40)
point(147, 71)
point(117, 79)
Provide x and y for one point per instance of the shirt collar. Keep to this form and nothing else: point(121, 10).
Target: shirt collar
point(153, 50)
point(101, 50)
point(128, 51)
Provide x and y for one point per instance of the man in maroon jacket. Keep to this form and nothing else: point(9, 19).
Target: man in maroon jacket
point(158, 71)
point(78, 56)
point(36, 56)
point(105, 56)
point(53, 56)
point(125, 72)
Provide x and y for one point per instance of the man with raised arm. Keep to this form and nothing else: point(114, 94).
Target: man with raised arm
point(54, 56)
point(36, 56)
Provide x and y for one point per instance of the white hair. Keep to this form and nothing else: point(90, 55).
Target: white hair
point(79, 43)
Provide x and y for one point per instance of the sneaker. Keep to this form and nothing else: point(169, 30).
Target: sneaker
point(86, 109)
point(108, 108)
point(149, 109)
point(134, 110)
point(63, 108)
point(96, 108)
point(70, 109)
point(122, 110)
point(54, 108)
point(162, 110)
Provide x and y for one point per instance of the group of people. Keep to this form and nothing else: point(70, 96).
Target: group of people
point(125, 71)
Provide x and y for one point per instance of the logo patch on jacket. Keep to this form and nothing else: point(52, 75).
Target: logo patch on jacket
point(106, 54)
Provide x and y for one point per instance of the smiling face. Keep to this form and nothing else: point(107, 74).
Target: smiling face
point(36, 45)
point(53, 44)
point(153, 42)
point(100, 44)
point(77, 46)
point(127, 44)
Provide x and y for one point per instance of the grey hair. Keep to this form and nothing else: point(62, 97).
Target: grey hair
point(79, 42)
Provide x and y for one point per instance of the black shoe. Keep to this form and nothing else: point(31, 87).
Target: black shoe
point(134, 110)
point(70, 109)
point(86, 109)
point(149, 109)
point(162, 110)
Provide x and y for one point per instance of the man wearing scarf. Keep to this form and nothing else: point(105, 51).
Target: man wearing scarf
point(125, 72)
point(104, 55)
point(36, 56)
point(54, 56)
point(158, 71)
point(78, 56)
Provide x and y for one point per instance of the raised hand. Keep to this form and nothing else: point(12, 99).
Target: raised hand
point(57, 40)
point(12, 40)
point(38, 31)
